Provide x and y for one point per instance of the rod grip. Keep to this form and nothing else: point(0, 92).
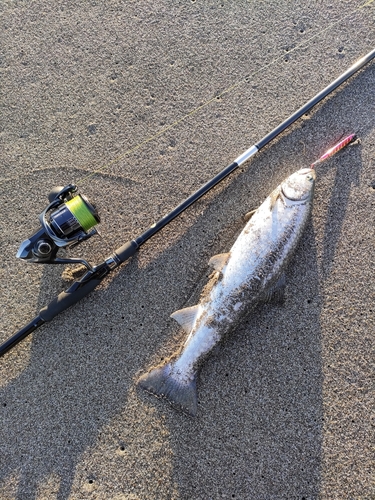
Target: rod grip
point(127, 250)
point(67, 298)
point(20, 335)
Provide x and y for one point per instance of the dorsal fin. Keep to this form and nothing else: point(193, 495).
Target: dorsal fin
point(219, 261)
point(186, 317)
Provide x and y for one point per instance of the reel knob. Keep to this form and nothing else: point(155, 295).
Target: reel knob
point(43, 248)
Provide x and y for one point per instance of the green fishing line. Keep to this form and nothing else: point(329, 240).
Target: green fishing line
point(81, 212)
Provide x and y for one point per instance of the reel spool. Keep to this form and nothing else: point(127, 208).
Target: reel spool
point(68, 220)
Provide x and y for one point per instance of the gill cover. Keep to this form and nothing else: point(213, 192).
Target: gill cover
point(299, 187)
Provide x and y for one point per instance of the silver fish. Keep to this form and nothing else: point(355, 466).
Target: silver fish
point(250, 273)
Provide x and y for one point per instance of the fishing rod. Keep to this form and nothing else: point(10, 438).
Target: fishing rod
point(70, 218)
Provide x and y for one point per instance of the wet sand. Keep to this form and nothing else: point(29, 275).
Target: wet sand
point(286, 405)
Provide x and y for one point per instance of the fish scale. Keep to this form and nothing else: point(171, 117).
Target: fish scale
point(250, 273)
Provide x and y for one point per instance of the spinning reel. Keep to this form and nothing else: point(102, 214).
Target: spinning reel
point(68, 219)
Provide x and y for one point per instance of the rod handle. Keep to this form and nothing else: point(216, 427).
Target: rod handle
point(126, 251)
point(68, 298)
point(64, 300)
point(20, 335)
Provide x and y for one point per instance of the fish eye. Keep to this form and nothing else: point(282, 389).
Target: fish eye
point(309, 177)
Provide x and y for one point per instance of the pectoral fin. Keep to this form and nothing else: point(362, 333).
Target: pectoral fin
point(219, 261)
point(186, 317)
point(273, 197)
point(248, 216)
point(276, 294)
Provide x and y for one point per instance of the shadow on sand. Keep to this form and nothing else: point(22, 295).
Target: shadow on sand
point(259, 427)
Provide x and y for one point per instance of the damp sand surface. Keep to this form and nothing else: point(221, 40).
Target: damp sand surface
point(286, 403)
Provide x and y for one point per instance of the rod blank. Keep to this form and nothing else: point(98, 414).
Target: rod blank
point(88, 283)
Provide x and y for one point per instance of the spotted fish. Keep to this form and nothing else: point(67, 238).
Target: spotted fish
point(251, 272)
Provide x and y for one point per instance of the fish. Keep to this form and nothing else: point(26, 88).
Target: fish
point(251, 273)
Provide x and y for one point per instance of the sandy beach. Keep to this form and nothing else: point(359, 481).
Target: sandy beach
point(286, 404)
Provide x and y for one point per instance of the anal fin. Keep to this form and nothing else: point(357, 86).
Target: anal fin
point(276, 294)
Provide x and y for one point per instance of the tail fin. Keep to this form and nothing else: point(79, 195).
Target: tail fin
point(163, 382)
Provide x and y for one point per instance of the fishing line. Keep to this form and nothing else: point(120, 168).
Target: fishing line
point(229, 89)
point(70, 218)
point(78, 207)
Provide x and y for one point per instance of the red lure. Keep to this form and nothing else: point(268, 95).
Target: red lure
point(334, 149)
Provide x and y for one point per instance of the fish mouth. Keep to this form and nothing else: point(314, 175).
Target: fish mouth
point(308, 170)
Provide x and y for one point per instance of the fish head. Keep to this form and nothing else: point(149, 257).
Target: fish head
point(299, 187)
